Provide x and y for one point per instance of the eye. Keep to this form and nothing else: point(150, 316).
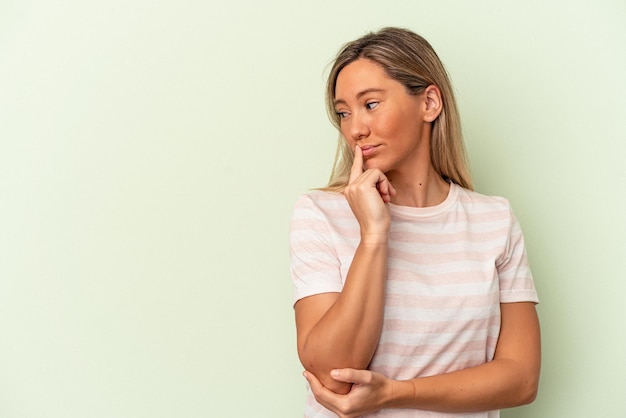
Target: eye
point(371, 105)
point(342, 115)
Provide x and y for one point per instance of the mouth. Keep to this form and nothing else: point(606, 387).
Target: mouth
point(369, 150)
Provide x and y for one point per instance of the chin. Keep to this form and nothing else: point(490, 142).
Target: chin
point(373, 164)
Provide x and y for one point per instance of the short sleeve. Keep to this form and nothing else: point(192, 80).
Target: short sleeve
point(516, 280)
point(314, 264)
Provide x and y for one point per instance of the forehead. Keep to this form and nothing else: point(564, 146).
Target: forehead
point(361, 74)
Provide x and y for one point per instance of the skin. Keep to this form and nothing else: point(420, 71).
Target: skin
point(376, 111)
point(337, 333)
point(343, 329)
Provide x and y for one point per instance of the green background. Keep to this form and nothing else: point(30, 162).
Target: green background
point(151, 153)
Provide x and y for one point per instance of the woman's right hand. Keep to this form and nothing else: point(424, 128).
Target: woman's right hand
point(367, 193)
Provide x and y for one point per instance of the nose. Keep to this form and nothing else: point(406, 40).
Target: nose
point(359, 128)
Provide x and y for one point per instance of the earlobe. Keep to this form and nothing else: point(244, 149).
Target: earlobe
point(434, 104)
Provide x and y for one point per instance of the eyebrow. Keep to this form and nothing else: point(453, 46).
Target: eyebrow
point(359, 95)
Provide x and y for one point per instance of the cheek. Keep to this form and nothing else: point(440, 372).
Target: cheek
point(386, 125)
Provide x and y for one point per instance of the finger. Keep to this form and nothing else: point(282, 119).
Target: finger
point(315, 384)
point(392, 190)
point(385, 189)
point(323, 395)
point(354, 376)
point(382, 184)
point(317, 387)
point(357, 164)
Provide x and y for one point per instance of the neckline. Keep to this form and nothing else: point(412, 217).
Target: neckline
point(411, 212)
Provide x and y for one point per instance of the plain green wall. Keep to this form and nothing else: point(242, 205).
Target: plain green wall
point(151, 152)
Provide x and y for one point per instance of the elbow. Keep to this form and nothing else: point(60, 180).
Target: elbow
point(527, 391)
point(531, 384)
point(318, 364)
point(322, 373)
point(310, 364)
point(531, 394)
point(522, 387)
point(527, 397)
point(309, 359)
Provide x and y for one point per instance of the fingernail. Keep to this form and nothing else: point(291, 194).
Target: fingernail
point(334, 373)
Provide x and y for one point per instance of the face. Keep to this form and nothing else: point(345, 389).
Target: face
point(377, 113)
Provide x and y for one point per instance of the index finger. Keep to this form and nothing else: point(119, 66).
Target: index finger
point(357, 164)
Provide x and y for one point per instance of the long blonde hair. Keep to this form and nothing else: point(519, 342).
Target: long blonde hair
point(411, 60)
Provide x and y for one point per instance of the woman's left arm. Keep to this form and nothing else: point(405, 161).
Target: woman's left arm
point(509, 380)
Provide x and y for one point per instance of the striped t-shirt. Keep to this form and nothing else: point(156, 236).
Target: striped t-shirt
point(449, 267)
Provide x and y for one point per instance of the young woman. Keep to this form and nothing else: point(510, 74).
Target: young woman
point(413, 294)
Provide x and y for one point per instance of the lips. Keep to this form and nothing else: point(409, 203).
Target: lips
point(368, 150)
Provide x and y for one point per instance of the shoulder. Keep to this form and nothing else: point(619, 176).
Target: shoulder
point(481, 201)
point(323, 212)
point(321, 202)
point(483, 208)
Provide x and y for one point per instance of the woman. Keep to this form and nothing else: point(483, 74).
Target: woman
point(413, 295)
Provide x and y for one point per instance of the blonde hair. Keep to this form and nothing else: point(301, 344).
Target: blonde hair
point(411, 60)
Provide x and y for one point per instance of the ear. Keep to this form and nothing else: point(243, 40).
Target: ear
point(433, 103)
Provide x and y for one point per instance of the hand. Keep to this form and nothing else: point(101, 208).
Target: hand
point(370, 392)
point(367, 192)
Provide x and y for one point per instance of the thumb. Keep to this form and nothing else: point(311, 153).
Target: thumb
point(352, 376)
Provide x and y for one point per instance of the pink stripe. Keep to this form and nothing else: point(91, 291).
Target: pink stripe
point(440, 302)
point(436, 327)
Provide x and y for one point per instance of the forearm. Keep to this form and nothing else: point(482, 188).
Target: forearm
point(509, 380)
point(348, 333)
point(498, 384)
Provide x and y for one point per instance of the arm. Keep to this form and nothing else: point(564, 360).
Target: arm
point(338, 330)
point(511, 379)
point(342, 329)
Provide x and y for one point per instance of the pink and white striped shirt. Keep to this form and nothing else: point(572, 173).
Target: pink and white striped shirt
point(449, 268)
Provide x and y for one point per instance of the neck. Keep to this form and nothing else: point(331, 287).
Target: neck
point(419, 189)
